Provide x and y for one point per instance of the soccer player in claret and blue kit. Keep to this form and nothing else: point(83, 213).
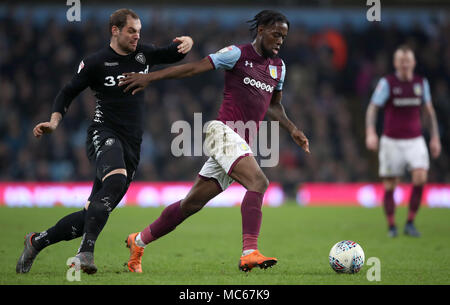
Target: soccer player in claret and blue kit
point(114, 136)
point(254, 77)
point(402, 146)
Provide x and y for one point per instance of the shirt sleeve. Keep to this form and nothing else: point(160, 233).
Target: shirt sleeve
point(279, 86)
point(163, 55)
point(426, 91)
point(225, 58)
point(381, 93)
point(79, 82)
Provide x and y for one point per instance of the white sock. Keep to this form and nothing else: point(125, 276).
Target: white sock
point(139, 241)
point(247, 252)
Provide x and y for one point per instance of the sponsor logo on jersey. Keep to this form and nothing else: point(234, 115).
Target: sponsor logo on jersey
point(111, 64)
point(248, 63)
point(80, 67)
point(140, 58)
point(407, 101)
point(417, 89)
point(258, 84)
point(273, 71)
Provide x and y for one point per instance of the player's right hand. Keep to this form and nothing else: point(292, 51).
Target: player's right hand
point(301, 140)
point(435, 147)
point(372, 141)
point(185, 45)
point(42, 128)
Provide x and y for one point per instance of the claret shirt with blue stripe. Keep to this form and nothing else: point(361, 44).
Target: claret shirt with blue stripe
point(402, 101)
point(250, 80)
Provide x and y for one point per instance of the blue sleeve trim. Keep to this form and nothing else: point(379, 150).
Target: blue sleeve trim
point(426, 91)
point(279, 86)
point(381, 93)
point(225, 58)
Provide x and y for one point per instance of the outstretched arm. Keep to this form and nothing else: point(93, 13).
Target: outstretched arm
point(371, 120)
point(435, 142)
point(185, 45)
point(276, 112)
point(63, 100)
point(139, 81)
point(170, 54)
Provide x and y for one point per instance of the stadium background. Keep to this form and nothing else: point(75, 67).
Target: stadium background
point(334, 59)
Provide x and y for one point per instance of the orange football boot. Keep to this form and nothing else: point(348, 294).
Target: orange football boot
point(136, 252)
point(254, 259)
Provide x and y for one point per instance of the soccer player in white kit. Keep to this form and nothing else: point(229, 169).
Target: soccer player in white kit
point(402, 145)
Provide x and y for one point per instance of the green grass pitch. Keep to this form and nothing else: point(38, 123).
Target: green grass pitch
point(205, 249)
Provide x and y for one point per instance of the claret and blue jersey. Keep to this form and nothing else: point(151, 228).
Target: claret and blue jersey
point(402, 101)
point(250, 80)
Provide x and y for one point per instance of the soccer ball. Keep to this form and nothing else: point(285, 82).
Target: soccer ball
point(346, 257)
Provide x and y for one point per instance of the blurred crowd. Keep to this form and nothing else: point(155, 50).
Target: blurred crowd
point(331, 74)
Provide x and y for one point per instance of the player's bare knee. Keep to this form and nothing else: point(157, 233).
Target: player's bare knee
point(259, 184)
point(419, 177)
point(390, 184)
point(419, 181)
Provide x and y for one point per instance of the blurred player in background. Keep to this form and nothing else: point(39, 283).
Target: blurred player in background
point(114, 136)
point(253, 87)
point(402, 145)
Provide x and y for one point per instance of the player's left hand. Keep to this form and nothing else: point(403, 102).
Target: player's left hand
point(301, 140)
point(135, 81)
point(185, 45)
point(435, 147)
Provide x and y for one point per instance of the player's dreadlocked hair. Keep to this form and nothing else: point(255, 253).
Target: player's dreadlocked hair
point(266, 17)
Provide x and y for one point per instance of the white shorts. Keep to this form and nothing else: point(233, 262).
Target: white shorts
point(396, 155)
point(225, 147)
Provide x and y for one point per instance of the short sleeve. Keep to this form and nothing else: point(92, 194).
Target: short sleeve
point(225, 58)
point(426, 91)
point(279, 86)
point(381, 93)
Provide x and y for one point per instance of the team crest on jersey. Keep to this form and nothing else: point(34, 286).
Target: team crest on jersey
point(140, 58)
point(80, 67)
point(417, 89)
point(273, 71)
point(244, 146)
point(226, 49)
